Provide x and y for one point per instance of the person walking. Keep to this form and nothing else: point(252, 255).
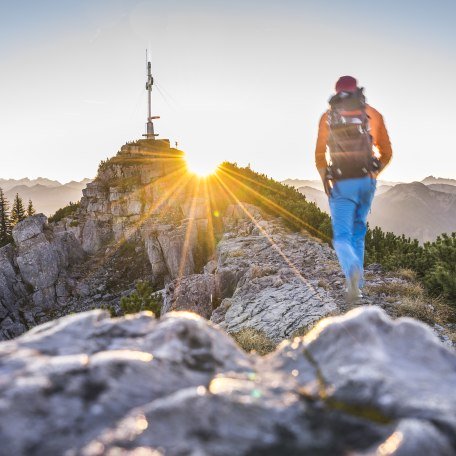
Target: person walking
point(352, 148)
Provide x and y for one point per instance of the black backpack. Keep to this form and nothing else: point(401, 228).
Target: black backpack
point(349, 140)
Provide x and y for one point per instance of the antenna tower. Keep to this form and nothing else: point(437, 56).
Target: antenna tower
point(150, 134)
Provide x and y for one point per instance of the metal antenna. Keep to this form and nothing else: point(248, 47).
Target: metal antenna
point(150, 134)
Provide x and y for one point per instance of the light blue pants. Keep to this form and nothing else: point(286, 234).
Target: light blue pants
point(350, 203)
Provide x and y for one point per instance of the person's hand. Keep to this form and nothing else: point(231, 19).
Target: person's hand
point(377, 168)
point(328, 187)
point(322, 172)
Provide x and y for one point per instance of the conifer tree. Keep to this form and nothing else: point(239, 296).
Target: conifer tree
point(17, 212)
point(30, 209)
point(5, 222)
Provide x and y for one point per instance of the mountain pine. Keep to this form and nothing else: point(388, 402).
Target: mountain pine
point(30, 209)
point(17, 212)
point(5, 222)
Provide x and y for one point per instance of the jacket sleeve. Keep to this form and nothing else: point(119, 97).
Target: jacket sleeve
point(320, 149)
point(383, 142)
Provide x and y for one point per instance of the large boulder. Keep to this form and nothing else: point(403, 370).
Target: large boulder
point(359, 384)
point(42, 255)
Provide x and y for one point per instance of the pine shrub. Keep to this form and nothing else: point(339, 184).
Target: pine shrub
point(143, 298)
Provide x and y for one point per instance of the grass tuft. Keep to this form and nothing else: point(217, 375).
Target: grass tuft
point(250, 339)
point(399, 289)
point(429, 310)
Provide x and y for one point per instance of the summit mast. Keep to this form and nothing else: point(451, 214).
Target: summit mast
point(150, 134)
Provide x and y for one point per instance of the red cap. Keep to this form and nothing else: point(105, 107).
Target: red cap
point(346, 84)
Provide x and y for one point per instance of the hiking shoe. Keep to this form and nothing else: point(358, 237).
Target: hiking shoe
point(359, 295)
point(353, 291)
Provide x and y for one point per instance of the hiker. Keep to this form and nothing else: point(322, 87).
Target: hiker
point(353, 138)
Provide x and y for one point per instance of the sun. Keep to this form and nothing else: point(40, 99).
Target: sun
point(201, 166)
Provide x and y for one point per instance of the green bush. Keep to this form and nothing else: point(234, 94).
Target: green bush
point(143, 298)
point(277, 199)
point(66, 211)
point(440, 277)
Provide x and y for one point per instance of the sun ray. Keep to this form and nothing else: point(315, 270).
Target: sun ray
point(188, 232)
point(181, 180)
point(274, 244)
point(210, 225)
point(256, 182)
point(282, 211)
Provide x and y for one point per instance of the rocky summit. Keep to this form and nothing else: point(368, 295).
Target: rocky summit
point(359, 384)
point(145, 217)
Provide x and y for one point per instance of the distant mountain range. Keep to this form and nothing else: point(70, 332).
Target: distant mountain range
point(420, 210)
point(47, 195)
point(6, 184)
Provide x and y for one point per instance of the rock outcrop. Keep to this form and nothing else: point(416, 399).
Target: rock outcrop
point(263, 276)
point(138, 201)
point(33, 274)
point(357, 384)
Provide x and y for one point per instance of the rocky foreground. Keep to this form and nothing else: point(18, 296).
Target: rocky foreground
point(359, 384)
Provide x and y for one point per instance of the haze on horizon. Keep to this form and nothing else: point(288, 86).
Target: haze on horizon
point(235, 81)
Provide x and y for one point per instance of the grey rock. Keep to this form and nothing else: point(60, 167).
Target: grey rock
point(359, 384)
point(196, 293)
point(390, 370)
point(218, 315)
point(177, 246)
point(33, 273)
point(95, 234)
point(270, 279)
point(242, 211)
point(210, 267)
point(196, 208)
point(29, 228)
point(171, 249)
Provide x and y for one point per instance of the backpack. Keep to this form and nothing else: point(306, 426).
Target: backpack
point(349, 141)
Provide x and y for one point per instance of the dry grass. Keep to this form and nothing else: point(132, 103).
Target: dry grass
point(250, 339)
point(408, 299)
point(406, 274)
point(323, 283)
point(399, 289)
point(257, 271)
point(429, 310)
point(236, 253)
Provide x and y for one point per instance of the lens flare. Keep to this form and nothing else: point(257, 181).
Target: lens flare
point(200, 165)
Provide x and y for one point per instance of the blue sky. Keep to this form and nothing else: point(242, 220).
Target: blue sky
point(244, 81)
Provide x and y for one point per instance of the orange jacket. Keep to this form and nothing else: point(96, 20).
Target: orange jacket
point(378, 131)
